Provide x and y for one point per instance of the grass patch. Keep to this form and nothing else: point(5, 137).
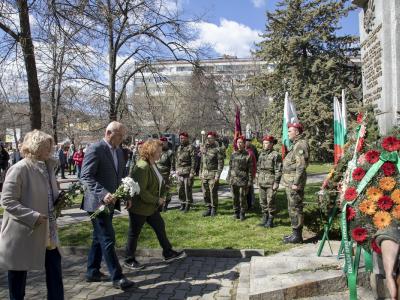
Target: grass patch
point(315, 168)
point(191, 230)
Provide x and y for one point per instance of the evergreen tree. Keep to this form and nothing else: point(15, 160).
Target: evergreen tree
point(313, 64)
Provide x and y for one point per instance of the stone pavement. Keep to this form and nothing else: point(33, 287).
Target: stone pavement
point(187, 278)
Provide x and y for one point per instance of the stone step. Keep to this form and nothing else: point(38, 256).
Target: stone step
point(299, 273)
point(362, 293)
point(243, 288)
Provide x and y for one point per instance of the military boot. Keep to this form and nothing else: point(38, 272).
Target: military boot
point(182, 207)
point(264, 220)
point(207, 213)
point(236, 215)
point(213, 212)
point(295, 238)
point(187, 208)
point(270, 223)
point(242, 216)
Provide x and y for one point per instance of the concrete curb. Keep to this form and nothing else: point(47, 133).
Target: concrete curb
point(157, 253)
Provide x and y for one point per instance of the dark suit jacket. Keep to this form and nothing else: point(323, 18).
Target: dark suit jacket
point(99, 175)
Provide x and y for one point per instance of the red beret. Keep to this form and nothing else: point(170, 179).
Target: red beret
point(163, 139)
point(140, 143)
point(185, 134)
point(212, 133)
point(296, 125)
point(269, 138)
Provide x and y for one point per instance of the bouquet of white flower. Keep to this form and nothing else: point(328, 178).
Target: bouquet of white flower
point(126, 190)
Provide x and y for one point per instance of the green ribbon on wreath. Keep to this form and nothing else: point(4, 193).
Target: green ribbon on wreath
point(384, 157)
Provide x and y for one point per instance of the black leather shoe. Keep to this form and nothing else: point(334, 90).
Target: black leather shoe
point(98, 278)
point(242, 216)
point(123, 284)
point(187, 208)
point(133, 264)
point(236, 215)
point(213, 212)
point(207, 213)
point(173, 255)
point(182, 208)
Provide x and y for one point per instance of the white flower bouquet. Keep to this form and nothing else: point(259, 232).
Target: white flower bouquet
point(125, 191)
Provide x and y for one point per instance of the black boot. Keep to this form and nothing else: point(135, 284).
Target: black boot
point(182, 207)
point(295, 238)
point(236, 215)
point(187, 208)
point(264, 220)
point(207, 213)
point(165, 207)
point(270, 223)
point(242, 216)
point(213, 212)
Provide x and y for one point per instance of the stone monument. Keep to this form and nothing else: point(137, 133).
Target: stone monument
point(380, 56)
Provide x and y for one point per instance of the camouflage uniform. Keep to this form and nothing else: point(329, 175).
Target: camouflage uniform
point(165, 164)
point(184, 166)
point(210, 169)
point(294, 172)
point(240, 178)
point(269, 172)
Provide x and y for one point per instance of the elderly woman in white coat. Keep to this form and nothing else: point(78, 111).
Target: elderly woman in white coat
point(28, 236)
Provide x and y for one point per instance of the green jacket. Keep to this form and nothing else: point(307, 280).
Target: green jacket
point(240, 169)
point(146, 203)
point(212, 162)
point(269, 168)
point(296, 163)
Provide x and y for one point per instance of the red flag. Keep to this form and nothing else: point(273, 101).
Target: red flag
point(238, 128)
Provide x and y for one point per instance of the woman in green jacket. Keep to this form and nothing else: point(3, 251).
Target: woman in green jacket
point(145, 206)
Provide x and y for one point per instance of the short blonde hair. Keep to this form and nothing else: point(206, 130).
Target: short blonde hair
point(149, 148)
point(35, 142)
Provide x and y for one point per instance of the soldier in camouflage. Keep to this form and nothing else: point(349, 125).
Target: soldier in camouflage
point(210, 169)
point(135, 155)
point(294, 179)
point(240, 178)
point(269, 172)
point(165, 165)
point(185, 170)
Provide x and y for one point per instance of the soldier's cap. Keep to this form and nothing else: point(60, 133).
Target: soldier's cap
point(296, 125)
point(163, 139)
point(212, 133)
point(140, 143)
point(270, 138)
point(184, 133)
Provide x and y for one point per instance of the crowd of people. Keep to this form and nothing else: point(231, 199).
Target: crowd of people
point(30, 191)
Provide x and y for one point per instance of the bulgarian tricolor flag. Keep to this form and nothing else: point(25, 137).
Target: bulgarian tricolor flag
point(238, 128)
point(339, 127)
point(289, 116)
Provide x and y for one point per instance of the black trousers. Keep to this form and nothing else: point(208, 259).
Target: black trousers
point(136, 223)
point(55, 288)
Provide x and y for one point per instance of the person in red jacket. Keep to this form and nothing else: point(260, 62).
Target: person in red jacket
point(78, 159)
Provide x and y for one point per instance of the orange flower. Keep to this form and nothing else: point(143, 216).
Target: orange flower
point(382, 219)
point(387, 183)
point(396, 212)
point(373, 193)
point(367, 207)
point(396, 196)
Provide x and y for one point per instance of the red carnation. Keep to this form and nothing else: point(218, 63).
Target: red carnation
point(388, 168)
point(372, 156)
point(359, 234)
point(360, 144)
point(375, 247)
point(385, 203)
point(350, 194)
point(359, 118)
point(391, 143)
point(358, 174)
point(350, 213)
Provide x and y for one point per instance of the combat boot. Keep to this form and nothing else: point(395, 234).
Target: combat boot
point(187, 208)
point(236, 215)
point(295, 238)
point(242, 216)
point(182, 207)
point(270, 223)
point(213, 212)
point(207, 213)
point(264, 220)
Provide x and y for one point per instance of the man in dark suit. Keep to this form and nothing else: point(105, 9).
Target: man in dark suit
point(102, 171)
